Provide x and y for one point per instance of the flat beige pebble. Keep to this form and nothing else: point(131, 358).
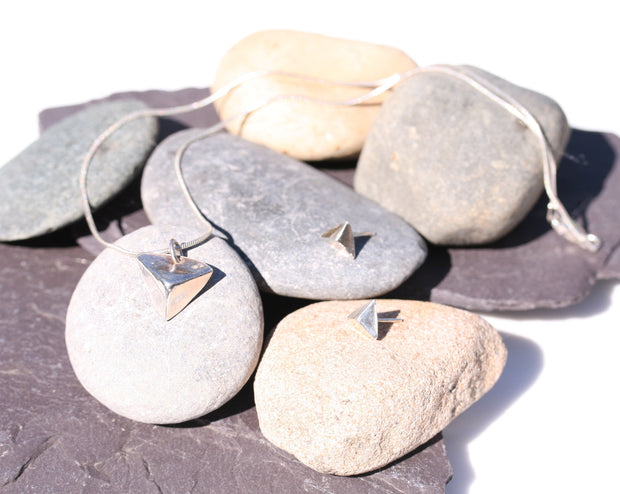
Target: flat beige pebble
point(304, 130)
point(344, 403)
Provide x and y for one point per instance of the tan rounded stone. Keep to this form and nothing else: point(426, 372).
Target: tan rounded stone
point(344, 403)
point(304, 130)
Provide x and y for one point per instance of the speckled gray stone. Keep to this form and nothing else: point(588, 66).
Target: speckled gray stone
point(456, 165)
point(274, 210)
point(151, 370)
point(40, 186)
point(345, 403)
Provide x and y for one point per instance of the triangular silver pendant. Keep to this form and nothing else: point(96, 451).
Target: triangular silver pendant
point(173, 285)
point(342, 236)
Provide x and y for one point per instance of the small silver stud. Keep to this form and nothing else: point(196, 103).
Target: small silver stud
point(342, 237)
point(367, 316)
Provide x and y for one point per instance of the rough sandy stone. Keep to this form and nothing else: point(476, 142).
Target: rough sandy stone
point(274, 209)
point(344, 403)
point(140, 366)
point(304, 130)
point(452, 162)
point(40, 186)
point(53, 433)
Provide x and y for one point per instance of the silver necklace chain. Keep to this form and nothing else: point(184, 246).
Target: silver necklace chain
point(557, 215)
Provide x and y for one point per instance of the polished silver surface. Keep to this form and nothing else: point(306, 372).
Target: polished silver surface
point(173, 282)
point(367, 316)
point(342, 237)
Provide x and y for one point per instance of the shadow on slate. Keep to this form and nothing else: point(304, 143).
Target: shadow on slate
point(582, 173)
point(53, 433)
point(532, 267)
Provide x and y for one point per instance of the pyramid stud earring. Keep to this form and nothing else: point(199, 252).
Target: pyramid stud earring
point(367, 317)
point(172, 280)
point(342, 237)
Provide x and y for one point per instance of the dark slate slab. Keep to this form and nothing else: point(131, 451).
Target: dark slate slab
point(531, 267)
point(54, 437)
point(154, 98)
point(611, 270)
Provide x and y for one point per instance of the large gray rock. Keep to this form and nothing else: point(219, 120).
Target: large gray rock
point(452, 162)
point(344, 403)
point(532, 266)
point(40, 186)
point(55, 436)
point(151, 370)
point(274, 209)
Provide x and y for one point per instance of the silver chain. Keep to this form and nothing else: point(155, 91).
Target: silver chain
point(559, 219)
point(379, 86)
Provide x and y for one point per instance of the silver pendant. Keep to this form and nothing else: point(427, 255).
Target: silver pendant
point(173, 281)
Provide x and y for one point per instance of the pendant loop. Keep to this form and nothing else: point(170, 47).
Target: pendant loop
point(175, 251)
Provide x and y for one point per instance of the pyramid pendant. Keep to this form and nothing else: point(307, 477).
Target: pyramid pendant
point(342, 236)
point(173, 285)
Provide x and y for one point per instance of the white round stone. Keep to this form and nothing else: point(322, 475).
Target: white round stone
point(151, 370)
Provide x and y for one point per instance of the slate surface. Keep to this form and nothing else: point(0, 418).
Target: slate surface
point(529, 268)
point(54, 437)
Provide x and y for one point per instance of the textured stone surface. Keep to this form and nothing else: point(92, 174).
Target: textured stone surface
point(156, 371)
point(520, 272)
point(40, 186)
point(303, 129)
point(532, 266)
point(54, 436)
point(274, 210)
point(452, 162)
point(344, 403)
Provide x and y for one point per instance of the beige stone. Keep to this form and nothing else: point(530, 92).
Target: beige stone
point(344, 403)
point(304, 130)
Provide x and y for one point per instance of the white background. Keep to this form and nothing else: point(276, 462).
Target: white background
point(550, 424)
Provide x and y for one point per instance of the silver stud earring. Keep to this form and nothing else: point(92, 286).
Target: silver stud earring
point(368, 318)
